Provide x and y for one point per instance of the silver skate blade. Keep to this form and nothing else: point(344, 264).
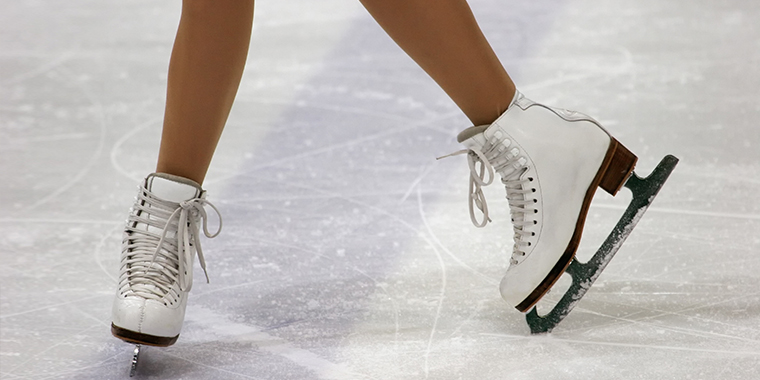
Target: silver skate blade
point(644, 191)
point(135, 358)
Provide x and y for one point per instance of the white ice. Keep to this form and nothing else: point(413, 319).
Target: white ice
point(347, 250)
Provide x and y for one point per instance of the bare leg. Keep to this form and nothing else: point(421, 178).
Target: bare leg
point(204, 74)
point(443, 37)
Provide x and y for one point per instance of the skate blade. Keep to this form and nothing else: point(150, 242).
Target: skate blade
point(135, 358)
point(583, 275)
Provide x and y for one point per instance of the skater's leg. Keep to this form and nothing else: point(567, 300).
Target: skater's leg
point(156, 265)
point(204, 73)
point(443, 37)
point(550, 161)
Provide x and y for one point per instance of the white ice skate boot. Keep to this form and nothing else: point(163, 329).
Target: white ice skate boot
point(160, 241)
point(551, 161)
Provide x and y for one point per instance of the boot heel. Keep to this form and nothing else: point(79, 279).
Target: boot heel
point(619, 169)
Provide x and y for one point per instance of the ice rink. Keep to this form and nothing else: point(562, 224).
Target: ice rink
point(347, 250)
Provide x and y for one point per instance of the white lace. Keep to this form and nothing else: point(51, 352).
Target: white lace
point(508, 162)
point(152, 262)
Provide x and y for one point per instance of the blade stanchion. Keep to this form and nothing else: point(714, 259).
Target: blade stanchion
point(135, 359)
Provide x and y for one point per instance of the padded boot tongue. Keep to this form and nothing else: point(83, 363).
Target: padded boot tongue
point(470, 132)
point(478, 129)
point(173, 188)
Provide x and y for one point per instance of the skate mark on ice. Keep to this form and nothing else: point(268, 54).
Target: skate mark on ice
point(116, 149)
point(704, 243)
point(625, 322)
point(442, 292)
point(42, 69)
point(595, 70)
point(454, 257)
point(549, 340)
point(707, 304)
point(719, 175)
point(406, 125)
point(377, 78)
point(621, 278)
point(276, 197)
point(419, 233)
point(93, 158)
point(424, 172)
point(691, 267)
point(47, 138)
point(225, 288)
point(98, 257)
point(58, 221)
point(723, 245)
point(681, 313)
point(469, 318)
point(557, 80)
point(71, 341)
point(431, 241)
point(472, 270)
point(220, 327)
point(55, 305)
point(59, 374)
point(392, 298)
point(628, 320)
point(676, 211)
point(207, 366)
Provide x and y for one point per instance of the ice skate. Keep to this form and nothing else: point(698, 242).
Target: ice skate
point(160, 243)
point(550, 161)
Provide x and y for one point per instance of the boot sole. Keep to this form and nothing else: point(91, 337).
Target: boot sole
point(140, 338)
point(616, 167)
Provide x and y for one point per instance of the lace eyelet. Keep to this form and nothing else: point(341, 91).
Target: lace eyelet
point(535, 211)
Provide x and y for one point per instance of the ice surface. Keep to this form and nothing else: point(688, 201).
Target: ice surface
point(347, 250)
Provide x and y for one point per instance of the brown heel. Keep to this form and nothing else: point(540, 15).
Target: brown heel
point(619, 169)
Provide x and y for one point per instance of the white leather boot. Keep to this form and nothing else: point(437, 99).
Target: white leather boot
point(551, 161)
point(158, 250)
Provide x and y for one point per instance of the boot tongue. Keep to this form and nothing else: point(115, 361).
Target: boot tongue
point(173, 188)
point(470, 132)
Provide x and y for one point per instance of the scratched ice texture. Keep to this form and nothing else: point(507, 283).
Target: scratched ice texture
point(347, 250)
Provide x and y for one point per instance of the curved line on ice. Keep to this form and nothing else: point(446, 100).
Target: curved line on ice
point(93, 158)
point(555, 339)
point(442, 293)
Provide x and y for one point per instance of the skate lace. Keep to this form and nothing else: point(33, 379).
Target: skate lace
point(152, 261)
point(495, 156)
